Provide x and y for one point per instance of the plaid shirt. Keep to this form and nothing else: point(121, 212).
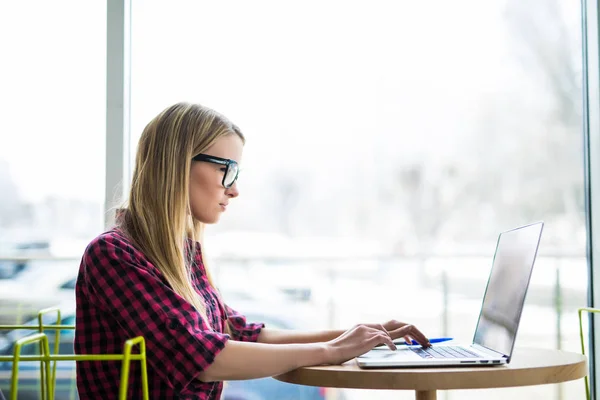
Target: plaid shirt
point(121, 295)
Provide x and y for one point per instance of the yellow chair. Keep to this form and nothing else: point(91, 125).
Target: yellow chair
point(48, 375)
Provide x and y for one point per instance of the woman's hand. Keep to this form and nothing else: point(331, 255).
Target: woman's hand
point(396, 329)
point(356, 341)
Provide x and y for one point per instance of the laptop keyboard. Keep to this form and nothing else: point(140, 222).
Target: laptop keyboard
point(444, 352)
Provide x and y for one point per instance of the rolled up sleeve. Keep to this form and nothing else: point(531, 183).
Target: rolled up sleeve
point(179, 342)
point(241, 330)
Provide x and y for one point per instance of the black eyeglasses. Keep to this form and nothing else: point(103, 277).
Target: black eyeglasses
point(232, 168)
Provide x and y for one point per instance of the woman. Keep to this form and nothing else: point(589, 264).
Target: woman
point(146, 277)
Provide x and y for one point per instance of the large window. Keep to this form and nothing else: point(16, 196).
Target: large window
point(388, 145)
point(52, 159)
point(53, 111)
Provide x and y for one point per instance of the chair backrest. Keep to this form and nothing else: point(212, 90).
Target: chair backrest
point(48, 375)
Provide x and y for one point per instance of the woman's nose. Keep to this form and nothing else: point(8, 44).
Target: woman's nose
point(233, 191)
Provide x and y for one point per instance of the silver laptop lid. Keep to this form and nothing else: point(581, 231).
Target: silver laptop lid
point(506, 288)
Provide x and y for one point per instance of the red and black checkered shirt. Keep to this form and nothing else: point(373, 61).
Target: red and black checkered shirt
point(121, 295)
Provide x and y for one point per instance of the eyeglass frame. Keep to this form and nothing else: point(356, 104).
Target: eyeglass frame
point(220, 161)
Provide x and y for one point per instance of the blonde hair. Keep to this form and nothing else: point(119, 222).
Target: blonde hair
point(158, 216)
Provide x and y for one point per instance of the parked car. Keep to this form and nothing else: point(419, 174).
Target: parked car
point(40, 284)
point(257, 389)
point(11, 268)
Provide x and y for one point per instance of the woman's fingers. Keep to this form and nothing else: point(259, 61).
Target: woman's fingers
point(382, 338)
point(379, 336)
point(381, 328)
point(411, 332)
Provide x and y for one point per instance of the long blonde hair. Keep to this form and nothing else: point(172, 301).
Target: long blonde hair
point(158, 217)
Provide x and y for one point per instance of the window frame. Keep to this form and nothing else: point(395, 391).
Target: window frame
point(591, 132)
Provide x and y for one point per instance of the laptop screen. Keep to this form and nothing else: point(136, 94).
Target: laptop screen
point(506, 289)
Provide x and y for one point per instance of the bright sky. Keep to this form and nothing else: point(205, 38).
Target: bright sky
point(319, 80)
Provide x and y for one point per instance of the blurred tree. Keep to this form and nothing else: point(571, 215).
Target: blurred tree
point(527, 151)
point(432, 196)
point(286, 188)
point(523, 160)
point(547, 39)
point(549, 44)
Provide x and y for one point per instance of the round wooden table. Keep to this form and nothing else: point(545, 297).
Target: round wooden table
point(528, 367)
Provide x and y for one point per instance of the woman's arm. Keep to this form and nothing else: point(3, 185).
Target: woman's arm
point(395, 329)
point(281, 336)
point(247, 360)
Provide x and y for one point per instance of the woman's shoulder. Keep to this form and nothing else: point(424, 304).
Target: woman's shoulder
point(112, 244)
point(114, 251)
point(112, 237)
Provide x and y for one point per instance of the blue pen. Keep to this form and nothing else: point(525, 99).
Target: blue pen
point(432, 340)
point(401, 342)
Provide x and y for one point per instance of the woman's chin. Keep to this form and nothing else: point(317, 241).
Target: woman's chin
point(209, 219)
point(213, 219)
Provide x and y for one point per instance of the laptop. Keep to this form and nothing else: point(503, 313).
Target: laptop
point(499, 317)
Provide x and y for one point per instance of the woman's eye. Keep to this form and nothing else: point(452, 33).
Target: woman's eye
point(223, 169)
